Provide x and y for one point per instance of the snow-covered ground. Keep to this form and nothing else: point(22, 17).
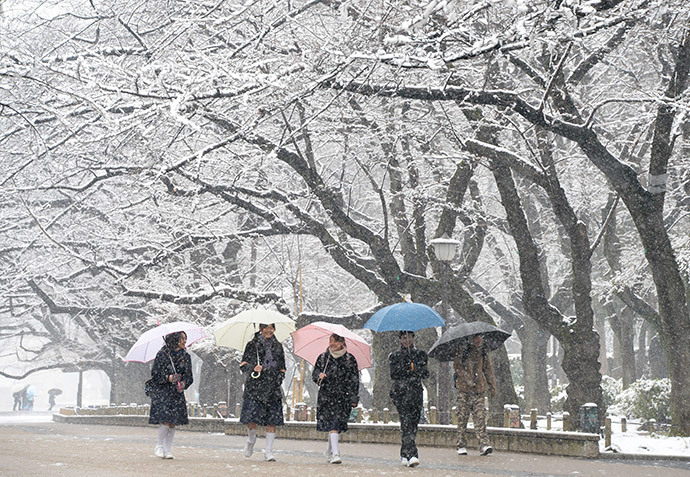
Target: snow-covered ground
point(634, 441)
point(630, 442)
point(642, 443)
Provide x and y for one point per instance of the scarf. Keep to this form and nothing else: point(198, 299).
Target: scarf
point(268, 363)
point(338, 354)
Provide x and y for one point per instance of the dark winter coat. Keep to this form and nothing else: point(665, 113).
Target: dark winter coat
point(338, 392)
point(265, 388)
point(408, 366)
point(168, 404)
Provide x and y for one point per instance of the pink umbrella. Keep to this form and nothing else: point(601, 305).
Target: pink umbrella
point(149, 343)
point(312, 340)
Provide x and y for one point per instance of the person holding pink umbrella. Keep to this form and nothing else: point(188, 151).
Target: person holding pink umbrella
point(337, 375)
point(171, 374)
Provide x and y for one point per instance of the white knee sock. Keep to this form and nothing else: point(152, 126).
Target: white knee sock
point(162, 432)
point(270, 438)
point(169, 439)
point(251, 435)
point(333, 439)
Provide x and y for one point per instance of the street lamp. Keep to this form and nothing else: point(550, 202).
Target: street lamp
point(444, 249)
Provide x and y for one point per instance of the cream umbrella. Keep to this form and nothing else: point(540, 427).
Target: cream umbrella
point(240, 329)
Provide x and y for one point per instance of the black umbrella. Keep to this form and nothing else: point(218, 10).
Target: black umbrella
point(55, 391)
point(459, 336)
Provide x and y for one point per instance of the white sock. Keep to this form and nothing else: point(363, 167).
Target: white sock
point(329, 450)
point(333, 440)
point(169, 439)
point(270, 438)
point(251, 435)
point(162, 433)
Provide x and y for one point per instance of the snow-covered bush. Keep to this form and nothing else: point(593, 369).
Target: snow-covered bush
point(611, 388)
point(646, 399)
point(520, 392)
point(558, 397)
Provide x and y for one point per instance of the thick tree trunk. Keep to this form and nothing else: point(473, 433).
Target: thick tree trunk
point(580, 363)
point(534, 344)
point(578, 338)
point(384, 344)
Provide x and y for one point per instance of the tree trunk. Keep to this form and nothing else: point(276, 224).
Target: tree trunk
point(129, 383)
point(641, 359)
point(578, 338)
point(534, 344)
point(624, 337)
point(384, 344)
point(603, 359)
point(658, 367)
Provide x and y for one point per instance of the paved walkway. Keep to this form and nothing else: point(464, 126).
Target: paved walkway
point(40, 447)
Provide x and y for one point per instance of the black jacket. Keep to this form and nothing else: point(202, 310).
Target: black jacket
point(265, 388)
point(338, 391)
point(168, 405)
point(408, 366)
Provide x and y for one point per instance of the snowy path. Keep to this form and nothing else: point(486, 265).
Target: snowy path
point(42, 447)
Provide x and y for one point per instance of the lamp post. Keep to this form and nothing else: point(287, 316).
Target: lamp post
point(444, 249)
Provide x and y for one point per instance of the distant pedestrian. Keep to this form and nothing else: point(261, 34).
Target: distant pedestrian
point(17, 401)
point(408, 366)
point(474, 377)
point(51, 401)
point(263, 362)
point(172, 374)
point(29, 396)
point(337, 375)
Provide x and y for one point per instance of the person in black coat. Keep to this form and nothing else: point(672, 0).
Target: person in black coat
point(171, 374)
point(263, 362)
point(408, 366)
point(337, 375)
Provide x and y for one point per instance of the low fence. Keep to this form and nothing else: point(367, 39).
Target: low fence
point(368, 427)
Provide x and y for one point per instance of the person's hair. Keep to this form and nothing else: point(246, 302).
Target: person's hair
point(173, 339)
point(406, 332)
point(337, 338)
point(266, 325)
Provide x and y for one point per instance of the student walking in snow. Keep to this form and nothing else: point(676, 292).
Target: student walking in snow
point(408, 366)
point(172, 374)
point(337, 375)
point(263, 362)
point(474, 377)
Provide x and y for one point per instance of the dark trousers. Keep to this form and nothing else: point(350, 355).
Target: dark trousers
point(410, 411)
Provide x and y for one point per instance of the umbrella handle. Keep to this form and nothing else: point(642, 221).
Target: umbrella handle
point(255, 374)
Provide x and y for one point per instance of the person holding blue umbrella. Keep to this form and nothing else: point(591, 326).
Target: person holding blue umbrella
point(408, 366)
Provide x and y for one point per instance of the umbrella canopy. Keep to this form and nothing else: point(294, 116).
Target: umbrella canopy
point(312, 340)
point(239, 330)
point(148, 344)
point(458, 337)
point(55, 391)
point(404, 316)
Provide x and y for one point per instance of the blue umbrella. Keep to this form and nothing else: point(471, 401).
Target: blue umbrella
point(404, 316)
